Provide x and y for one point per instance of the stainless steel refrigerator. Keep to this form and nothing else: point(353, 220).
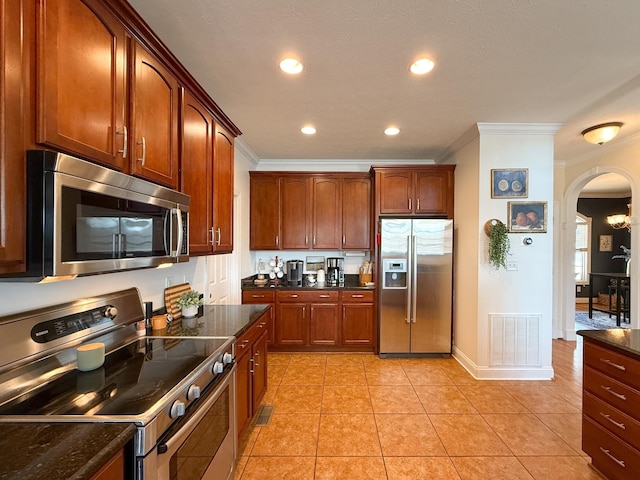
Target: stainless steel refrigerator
point(416, 286)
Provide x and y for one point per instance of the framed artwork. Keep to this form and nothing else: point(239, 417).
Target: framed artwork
point(510, 183)
point(527, 217)
point(606, 243)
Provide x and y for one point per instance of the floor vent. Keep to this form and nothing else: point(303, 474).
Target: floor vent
point(264, 415)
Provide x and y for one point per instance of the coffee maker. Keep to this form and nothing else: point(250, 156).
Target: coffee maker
point(295, 269)
point(335, 271)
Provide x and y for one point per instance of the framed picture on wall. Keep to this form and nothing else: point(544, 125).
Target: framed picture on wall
point(606, 243)
point(510, 183)
point(527, 217)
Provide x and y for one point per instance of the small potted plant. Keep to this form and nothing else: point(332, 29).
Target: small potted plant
point(189, 303)
point(498, 243)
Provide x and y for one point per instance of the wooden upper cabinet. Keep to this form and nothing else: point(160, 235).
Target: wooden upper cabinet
point(197, 172)
point(296, 217)
point(396, 192)
point(81, 80)
point(222, 191)
point(434, 192)
point(154, 119)
point(264, 217)
point(327, 202)
point(356, 213)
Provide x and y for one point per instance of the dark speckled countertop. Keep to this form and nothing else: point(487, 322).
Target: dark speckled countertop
point(623, 340)
point(59, 451)
point(351, 282)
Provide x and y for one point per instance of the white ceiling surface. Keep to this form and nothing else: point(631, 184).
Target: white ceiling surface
point(575, 62)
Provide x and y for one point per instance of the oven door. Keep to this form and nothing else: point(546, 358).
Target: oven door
point(202, 445)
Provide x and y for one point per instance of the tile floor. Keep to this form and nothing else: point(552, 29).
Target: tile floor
point(349, 416)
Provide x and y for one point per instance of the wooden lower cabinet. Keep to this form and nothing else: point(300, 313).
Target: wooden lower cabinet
point(263, 297)
point(113, 470)
point(251, 372)
point(357, 318)
point(323, 324)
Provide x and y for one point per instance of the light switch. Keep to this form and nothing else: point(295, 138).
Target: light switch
point(512, 265)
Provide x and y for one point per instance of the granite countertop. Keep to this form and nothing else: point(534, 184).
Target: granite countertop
point(59, 450)
point(624, 340)
point(351, 282)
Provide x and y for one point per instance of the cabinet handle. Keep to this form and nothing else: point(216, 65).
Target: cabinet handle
point(324, 296)
point(418, 204)
point(251, 371)
point(257, 296)
point(617, 424)
point(344, 239)
point(357, 296)
point(255, 363)
point(144, 150)
point(293, 295)
point(212, 236)
point(615, 394)
point(409, 204)
point(314, 240)
point(277, 240)
point(125, 141)
point(614, 365)
point(606, 452)
point(219, 237)
point(261, 325)
point(244, 344)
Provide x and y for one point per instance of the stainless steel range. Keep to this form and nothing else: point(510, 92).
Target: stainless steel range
point(179, 391)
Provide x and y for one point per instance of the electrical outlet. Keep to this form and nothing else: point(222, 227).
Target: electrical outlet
point(512, 265)
point(168, 281)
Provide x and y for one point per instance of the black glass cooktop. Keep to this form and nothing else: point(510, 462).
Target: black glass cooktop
point(132, 379)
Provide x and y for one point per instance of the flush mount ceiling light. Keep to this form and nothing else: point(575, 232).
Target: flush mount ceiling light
point(391, 131)
point(291, 66)
point(308, 130)
point(422, 66)
point(602, 133)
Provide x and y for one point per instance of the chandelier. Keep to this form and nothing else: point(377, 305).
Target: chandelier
point(620, 220)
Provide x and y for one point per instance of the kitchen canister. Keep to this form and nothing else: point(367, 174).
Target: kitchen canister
point(90, 356)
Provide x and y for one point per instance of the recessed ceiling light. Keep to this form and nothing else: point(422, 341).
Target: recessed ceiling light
point(291, 66)
point(392, 131)
point(422, 66)
point(308, 130)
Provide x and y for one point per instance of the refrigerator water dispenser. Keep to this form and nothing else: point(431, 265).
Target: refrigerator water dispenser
point(395, 273)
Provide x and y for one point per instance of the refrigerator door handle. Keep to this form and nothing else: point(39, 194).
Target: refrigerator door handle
point(409, 283)
point(414, 279)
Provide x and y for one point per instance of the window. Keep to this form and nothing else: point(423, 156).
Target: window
point(582, 262)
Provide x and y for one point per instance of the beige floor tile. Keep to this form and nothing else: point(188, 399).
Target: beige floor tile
point(525, 434)
point(425, 374)
point(540, 399)
point(560, 468)
point(348, 374)
point(279, 358)
point(245, 444)
point(568, 426)
point(300, 374)
point(348, 358)
point(240, 464)
point(348, 435)
point(309, 359)
point(350, 468)
point(491, 398)
point(569, 394)
point(275, 373)
point(394, 399)
point(408, 435)
point(468, 435)
point(345, 399)
point(458, 374)
point(298, 399)
point(279, 468)
point(270, 394)
point(414, 468)
point(288, 435)
point(494, 468)
point(376, 360)
point(443, 399)
point(392, 374)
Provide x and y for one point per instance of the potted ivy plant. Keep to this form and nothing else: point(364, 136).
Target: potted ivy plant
point(189, 303)
point(498, 243)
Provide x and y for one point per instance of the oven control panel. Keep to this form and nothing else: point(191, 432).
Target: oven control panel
point(49, 330)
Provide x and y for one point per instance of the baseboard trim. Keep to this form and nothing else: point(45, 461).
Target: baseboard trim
point(502, 373)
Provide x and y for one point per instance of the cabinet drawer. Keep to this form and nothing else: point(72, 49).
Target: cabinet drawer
point(618, 394)
point(617, 422)
point(357, 296)
point(330, 296)
point(248, 338)
point(610, 455)
point(614, 364)
point(258, 296)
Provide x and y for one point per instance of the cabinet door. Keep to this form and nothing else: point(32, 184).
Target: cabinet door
point(265, 298)
point(295, 212)
point(396, 192)
point(113, 470)
point(197, 172)
point(259, 370)
point(323, 324)
point(244, 395)
point(222, 191)
point(154, 120)
point(16, 28)
point(434, 193)
point(357, 324)
point(81, 74)
point(327, 223)
point(264, 213)
point(356, 213)
point(291, 324)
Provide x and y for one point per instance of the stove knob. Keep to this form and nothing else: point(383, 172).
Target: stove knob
point(110, 312)
point(217, 368)
point(177, 409)
point(193, 392)
point(227, 358)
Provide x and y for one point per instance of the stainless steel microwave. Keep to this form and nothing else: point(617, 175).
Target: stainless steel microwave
point(86, 219)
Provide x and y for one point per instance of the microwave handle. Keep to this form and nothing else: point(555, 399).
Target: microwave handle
point(178, 213)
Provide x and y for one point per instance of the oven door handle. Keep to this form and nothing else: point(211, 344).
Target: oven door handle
point(175, 442)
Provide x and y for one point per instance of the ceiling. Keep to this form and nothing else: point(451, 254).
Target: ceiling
point(574, 62)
